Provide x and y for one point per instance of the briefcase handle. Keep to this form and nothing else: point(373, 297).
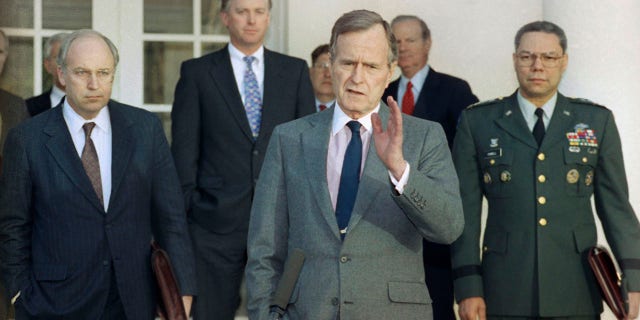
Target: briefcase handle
point(170, 305)
point(609, 280)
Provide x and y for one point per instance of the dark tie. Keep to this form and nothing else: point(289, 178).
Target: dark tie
point(538, 129)
point(349, 179)
point(322, 107)
point(407, 100)
point(90, 161)
point(252, 97)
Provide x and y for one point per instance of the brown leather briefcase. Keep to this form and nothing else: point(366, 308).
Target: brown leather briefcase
point(170, 306)
point(609, 280)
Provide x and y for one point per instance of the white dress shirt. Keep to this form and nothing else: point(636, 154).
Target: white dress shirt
point(55, 96)
point(417, 81)
point(239, 68)
point(101, 136)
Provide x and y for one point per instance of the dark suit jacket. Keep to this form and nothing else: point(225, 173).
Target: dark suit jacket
point(12, 112)
point(57, 242)
point(39, 104)
point(217, 159)
point(377, 271)
point(534, 251)
point(441, 99)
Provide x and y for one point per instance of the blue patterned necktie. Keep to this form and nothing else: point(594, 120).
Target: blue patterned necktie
point(252, 97)
point(349, 179)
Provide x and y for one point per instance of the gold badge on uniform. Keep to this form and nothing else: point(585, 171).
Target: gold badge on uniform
point(487, 178)
point(505, 176)
point(588, 179)
point(573, 176)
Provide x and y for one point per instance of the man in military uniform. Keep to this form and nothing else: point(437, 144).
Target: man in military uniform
point(538, 157)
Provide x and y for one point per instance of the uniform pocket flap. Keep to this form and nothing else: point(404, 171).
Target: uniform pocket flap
point(46, 272)
point(409, 292)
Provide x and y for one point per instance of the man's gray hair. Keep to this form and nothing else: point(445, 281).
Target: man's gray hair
point(361, 20)
point(543, 26)
point(224, 5)
point(56, 38)
point(425, 32)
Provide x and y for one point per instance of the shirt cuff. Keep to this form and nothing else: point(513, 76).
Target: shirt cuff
point(15, 298)
point(399, 184)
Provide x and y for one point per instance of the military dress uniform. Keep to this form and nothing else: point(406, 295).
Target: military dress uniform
point(540, 222)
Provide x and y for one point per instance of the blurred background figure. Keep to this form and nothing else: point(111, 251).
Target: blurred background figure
point(320, 73)
point(51, 97)
point(12, 111)
point(425, 93)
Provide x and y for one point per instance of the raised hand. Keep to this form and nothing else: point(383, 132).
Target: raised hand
point(388, 142)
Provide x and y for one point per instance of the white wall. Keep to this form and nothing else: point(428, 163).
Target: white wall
point(473, 39)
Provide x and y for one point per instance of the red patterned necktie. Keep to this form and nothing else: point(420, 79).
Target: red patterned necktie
point(407, 101)
point(90, 160)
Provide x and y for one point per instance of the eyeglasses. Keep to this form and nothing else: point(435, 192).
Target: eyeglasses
point(102, 75)
point(322, 65)
point(528, 59)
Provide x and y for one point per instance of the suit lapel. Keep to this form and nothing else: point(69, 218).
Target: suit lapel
point(274, 87)
point(122, 146)
point(222, 74)
point(427, 93)
point(315, 145)
point(513, 122)
point(561, 122)
point(60, 146)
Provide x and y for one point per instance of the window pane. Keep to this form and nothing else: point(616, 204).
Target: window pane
point(162, 69)
point(168, 16)
point(17, 76)
point(16, 13)
point(211, 47)
point(66, 14)
point(211, 22)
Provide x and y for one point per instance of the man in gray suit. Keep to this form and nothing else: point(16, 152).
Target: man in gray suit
point(363, 258)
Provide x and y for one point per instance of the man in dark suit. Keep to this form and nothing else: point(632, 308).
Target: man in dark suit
point(51, 97)
point(86, 186)
point(356, 188)
point(437, 97)
point(226, 106)
point(321, 77)
point(12, 112)
point(538, 158)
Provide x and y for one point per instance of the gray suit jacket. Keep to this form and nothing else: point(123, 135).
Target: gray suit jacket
point(377, 272)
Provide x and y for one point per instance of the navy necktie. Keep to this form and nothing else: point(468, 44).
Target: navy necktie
point(538, 129)
point(349, 179)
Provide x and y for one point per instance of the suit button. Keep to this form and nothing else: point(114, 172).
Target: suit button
point(585, 160)
point(541, 156)
point(492, 161)
point(335, 301)
point(542, 178)
point(256, 152)
point(542, 222)
point(542, 200)
point(485, 249)
point(344, 259)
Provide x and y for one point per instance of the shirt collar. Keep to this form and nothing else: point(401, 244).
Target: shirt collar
point(418, 79)
point(237, 54)
point(56, 94)
point(340, 119)
point(75, 121)
point(528, 109)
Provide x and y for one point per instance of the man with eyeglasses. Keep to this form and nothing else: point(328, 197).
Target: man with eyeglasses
point(320, 74)
point(538, 157)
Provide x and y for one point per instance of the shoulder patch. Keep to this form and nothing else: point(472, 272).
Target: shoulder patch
point(585, 101)
point(485, 103)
